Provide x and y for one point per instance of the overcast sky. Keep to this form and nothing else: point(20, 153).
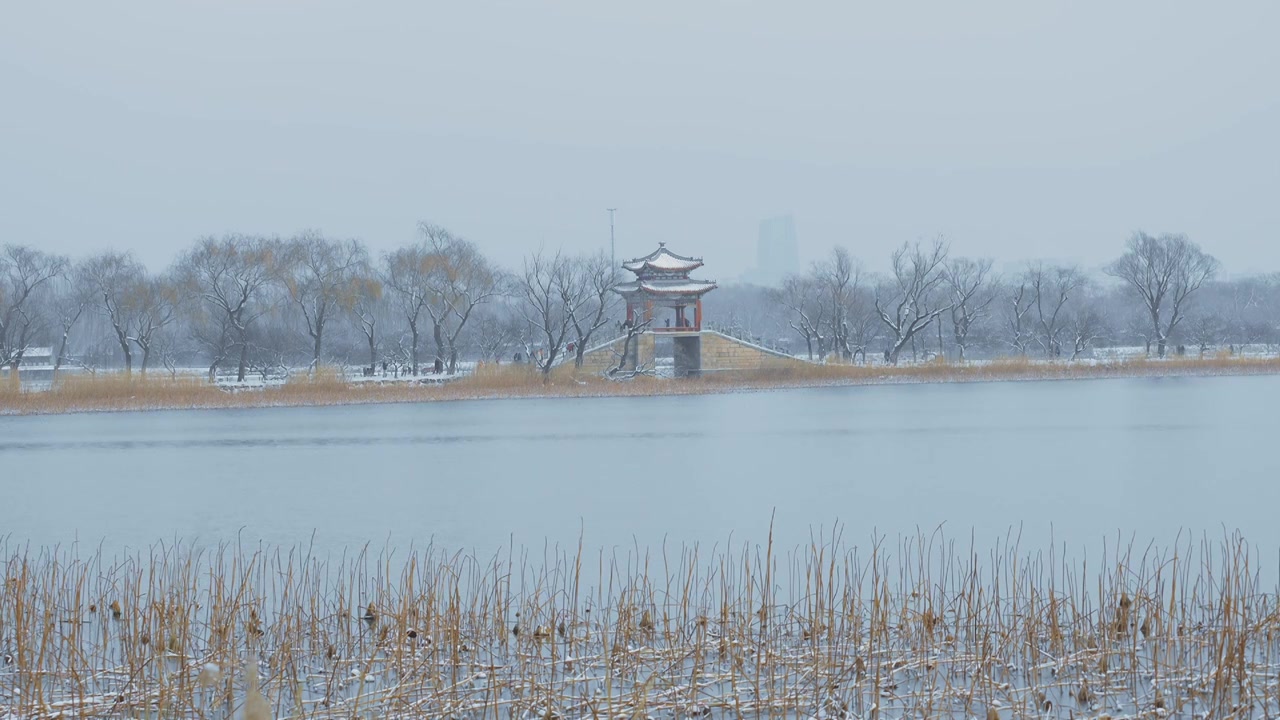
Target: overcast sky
point(1016, 129)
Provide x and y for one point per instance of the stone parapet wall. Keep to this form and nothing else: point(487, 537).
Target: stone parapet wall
point(722, 353)
point(602, 358)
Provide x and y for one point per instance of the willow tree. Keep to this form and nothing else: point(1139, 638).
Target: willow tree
point(24, 271)
point(368, 306)
point(409, 274)
point(441, 279)
point(71, 296)
point(118, 281)
point(231, 278)
point(463, 280)
point(1163, 272)
point(155, 301)
point(319, 275)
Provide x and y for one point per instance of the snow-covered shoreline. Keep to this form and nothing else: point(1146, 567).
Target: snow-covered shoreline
point(356, 391)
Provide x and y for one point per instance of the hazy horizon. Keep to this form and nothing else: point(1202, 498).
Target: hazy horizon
point(1015, 130)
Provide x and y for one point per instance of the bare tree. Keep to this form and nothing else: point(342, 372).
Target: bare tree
point(318, 274)
point(802, 296)
point(210, 329)
point(906, 301)
point(1085, 326)
point(167, 348)
point(593, 280)
point(1051, 289)
point(154, 302)
point(839, 278)
point(1019, 301)
point(1252, 317)
point(627, 358)
point(71, 297)
point(368, 307)
point(1163, 272)
point(549, 297)
point(231, 277)
point(971, 294)
point(497, 331)
point(1137, 325)
point(265, 345)
point(862, 322)
point(23, 271)
point(407, 273)
point(1205, 330)
point(118, 280)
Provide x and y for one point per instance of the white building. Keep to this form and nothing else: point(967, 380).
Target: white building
point(37, 357)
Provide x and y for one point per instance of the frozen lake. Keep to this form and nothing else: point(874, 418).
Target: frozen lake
point(1078, 460)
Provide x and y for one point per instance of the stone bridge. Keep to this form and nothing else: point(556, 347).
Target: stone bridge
point(695, 353)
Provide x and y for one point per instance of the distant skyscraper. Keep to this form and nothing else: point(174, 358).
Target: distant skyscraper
point(777, 254)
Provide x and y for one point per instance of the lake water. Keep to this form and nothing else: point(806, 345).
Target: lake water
point(1075, 461)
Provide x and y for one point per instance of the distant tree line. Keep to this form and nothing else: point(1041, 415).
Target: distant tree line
point(1162, 292)
point(246, 304)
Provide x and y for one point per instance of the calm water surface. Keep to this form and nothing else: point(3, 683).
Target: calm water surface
point(1076, 461)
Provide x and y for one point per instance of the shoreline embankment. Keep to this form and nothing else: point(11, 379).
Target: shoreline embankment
point(119, 393)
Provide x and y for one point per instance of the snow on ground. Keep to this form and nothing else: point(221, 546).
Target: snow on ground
point(663, 367)
point(259, 381)
point(352, 374)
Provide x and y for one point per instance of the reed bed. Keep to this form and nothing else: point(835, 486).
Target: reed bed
point(1003, 369)
point(117, 392)
point(918, 628)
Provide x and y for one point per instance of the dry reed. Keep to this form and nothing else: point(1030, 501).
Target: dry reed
point(923, 628)
point(115, 392)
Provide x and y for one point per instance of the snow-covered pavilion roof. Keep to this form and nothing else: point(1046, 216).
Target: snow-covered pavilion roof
point(674, 286)
point(664, 261)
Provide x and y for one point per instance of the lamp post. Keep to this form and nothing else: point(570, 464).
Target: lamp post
point(613, 252)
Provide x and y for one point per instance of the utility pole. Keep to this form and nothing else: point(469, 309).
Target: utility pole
point(613, 252)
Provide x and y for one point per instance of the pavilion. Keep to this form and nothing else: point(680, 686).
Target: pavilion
point(662, 283)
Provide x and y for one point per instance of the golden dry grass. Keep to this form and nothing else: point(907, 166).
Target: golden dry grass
point(327, 386)
point(106, 391)
point(920, 629)
point(1004, 368)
